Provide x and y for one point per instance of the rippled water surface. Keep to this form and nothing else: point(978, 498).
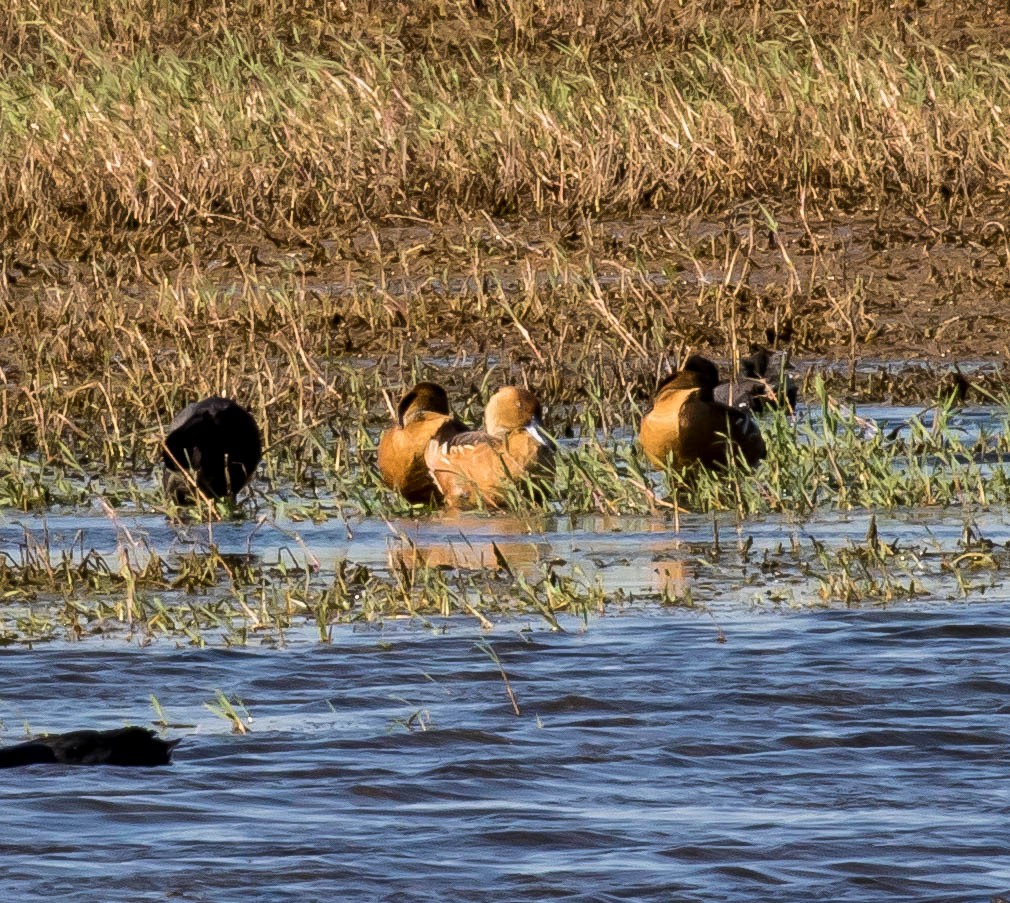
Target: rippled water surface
point(757, 747)
point(833, 755)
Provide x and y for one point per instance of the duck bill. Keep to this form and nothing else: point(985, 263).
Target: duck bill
point(536, 430)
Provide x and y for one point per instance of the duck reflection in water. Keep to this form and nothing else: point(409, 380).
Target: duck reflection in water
point(462, 555)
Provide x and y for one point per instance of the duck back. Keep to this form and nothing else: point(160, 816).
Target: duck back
point(213, 446)
point(401, 459)
point(127, 746)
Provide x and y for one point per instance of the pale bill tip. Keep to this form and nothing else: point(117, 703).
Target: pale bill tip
point(537, 432)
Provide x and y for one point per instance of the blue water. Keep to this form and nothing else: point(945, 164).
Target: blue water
point(761, 746)
point(835, 755)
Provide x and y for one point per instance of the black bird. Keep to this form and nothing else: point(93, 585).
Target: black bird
point(136, 746)
point(956, 387)
point(751, 390)
point(212, 446)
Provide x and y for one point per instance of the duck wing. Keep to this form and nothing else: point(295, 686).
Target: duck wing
point(749, 394)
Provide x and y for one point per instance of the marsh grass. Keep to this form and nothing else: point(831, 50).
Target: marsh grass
point(205, 596)
point(828, 456)
point(309, 208)
point(95, 361)
point(136, 122)
point(826, 459)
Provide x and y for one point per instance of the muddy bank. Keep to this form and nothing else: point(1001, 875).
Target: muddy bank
point(323, 331)
point(837, 286)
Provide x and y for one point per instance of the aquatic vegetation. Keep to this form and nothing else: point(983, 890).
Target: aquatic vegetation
point(310, 214)
point(825, 459)
point(207, 596)
point(231, 710)
point(827, 462)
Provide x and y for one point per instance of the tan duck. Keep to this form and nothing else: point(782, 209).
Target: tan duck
point(478, 467)
point(688, 426)
point(422, 415)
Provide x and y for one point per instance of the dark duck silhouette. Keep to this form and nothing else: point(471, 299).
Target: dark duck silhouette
point(129, 746)
point(688, 426)
point(756, 389)
point(212, 447)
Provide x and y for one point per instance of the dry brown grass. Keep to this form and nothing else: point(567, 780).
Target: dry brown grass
point(307, 206)
point(138, 121)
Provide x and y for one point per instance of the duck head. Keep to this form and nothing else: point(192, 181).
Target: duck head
point(513, 408)
point(424, 398)
point(697, 373)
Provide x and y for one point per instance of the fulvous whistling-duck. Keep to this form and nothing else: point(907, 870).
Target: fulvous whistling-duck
point(477, 467)
point(421, 416)
point(687, 425)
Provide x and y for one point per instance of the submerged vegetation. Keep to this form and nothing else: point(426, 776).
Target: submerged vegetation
point(310, 206)
point(827, 462)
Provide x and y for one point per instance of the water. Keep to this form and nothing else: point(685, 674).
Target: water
point(831, 755)
point(763, 746)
